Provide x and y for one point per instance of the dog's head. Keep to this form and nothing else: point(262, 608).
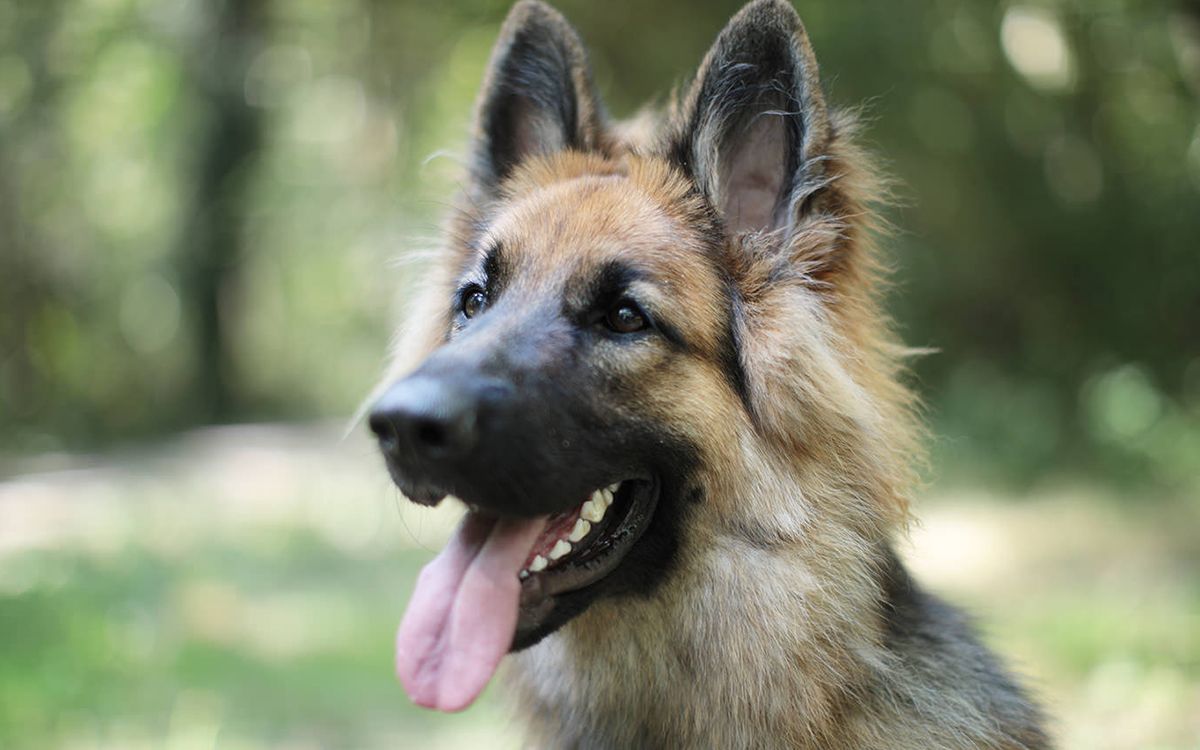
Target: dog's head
point(588, 329)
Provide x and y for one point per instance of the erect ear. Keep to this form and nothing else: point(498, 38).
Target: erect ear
point(537, 96)
point(754, 125)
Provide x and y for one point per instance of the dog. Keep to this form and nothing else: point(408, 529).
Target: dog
point(651, 361)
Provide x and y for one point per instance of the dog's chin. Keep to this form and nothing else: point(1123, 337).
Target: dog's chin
point(578, 552)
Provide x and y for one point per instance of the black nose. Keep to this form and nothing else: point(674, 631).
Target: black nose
point(426, 418)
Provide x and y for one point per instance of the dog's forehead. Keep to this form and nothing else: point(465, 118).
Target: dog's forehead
point(570, 229)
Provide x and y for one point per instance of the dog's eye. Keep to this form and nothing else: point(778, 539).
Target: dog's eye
point(625, 317)
point(473, 301)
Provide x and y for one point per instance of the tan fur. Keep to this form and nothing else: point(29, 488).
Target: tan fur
point(823, 477)
point(770, 632)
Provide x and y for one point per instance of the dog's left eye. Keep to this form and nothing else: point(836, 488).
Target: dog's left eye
point(625, 317)
point(473, 301)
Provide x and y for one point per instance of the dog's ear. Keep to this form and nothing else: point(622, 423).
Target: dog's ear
point(753, 128)
point(537, 95)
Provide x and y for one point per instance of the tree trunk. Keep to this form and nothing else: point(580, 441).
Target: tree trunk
point(212, 235)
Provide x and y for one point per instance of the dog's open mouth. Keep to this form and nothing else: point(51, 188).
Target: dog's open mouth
point(579, 547)
point(494, 587)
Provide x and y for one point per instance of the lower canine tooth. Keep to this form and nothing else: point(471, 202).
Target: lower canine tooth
point(560, 548)
point(539, 563)
point(581, 530)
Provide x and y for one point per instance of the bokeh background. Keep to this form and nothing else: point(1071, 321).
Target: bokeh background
point(205, 210)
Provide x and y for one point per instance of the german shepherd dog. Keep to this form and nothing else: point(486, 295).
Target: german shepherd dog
point(651, 363)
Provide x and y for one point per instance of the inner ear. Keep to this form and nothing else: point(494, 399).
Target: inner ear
point(753, 129)
point(754, 184)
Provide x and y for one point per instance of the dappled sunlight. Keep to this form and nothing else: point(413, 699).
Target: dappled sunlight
point(1036, 46)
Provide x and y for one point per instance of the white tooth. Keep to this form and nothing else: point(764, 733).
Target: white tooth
point(592, 511)
point(581, 530)
point(608, 497)
point(523, 574)
point(539, 563)
point(560, 548)
point(598, 497)
point(612, 488)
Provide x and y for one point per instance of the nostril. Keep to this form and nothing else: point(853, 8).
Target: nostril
point(384, 429)
point(431, 433)
point(422, 418)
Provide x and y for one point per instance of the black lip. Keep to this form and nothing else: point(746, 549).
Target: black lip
point(551, 597)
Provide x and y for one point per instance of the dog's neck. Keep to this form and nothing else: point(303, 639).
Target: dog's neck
point(748, 602)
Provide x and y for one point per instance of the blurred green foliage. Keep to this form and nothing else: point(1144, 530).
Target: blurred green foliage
point(201, 204)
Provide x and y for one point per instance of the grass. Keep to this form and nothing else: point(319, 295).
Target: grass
point(239, 588)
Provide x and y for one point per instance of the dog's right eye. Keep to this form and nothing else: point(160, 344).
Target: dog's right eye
point(473, 301)
point(625, 317)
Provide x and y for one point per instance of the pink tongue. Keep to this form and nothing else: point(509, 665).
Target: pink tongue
point(463, 613)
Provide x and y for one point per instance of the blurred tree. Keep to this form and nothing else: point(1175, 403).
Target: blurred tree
point(199, 202)
point(213, 233)
point(24, 282)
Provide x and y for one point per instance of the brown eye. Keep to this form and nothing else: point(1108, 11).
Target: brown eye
point(473, 301)
point(625, 317)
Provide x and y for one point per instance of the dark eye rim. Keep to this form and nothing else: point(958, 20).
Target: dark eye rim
point(464, 296)
point(626, 302)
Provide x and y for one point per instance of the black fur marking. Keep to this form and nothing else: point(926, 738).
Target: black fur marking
point(730, 353)
point(495, 270)
point(609, 285)
point(490, 274)
point(898, 605)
